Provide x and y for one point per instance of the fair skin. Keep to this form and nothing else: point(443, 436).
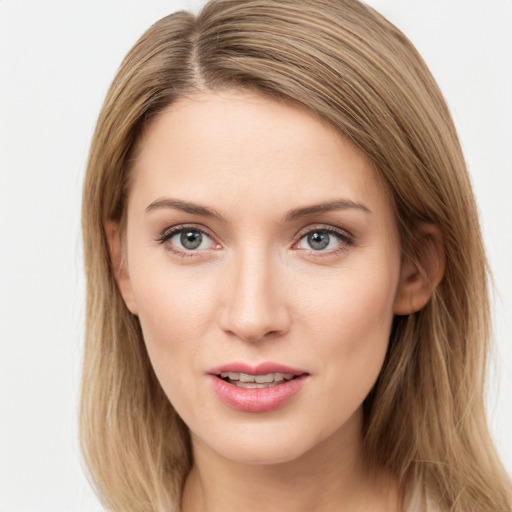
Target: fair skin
point(225, 262)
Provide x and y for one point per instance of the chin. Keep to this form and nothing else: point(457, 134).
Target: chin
point(262, 453)
point(266, 445)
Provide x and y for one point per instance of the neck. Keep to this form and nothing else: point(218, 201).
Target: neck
point(330, 477)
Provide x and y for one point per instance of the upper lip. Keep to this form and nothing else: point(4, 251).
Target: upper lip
point(259, 369)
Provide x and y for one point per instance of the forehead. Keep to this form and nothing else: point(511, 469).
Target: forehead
point(235, 147)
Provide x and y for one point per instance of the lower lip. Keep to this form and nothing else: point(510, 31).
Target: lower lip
point(257, 399)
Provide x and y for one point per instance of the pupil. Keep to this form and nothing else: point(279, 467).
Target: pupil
point(191, 239)
point(318, 241)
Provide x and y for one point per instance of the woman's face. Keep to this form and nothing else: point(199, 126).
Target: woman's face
point(262, 244)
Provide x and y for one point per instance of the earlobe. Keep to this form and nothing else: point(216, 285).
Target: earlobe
point(421, 273)
point(118, 264)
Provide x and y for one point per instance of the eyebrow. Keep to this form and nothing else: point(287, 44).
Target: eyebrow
point(337, 204)
point(184, 206)
point(296, 213)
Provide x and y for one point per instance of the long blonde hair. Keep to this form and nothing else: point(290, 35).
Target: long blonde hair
point(425, 418)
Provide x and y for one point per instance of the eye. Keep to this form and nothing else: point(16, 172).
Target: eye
point(324, 240)
point(186, 240)
point(190, 239)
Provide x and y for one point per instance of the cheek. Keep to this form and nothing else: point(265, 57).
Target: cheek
point(173, 319)
point(352, 329)
point(175, 312)
point(170, 299)
point(353, 304)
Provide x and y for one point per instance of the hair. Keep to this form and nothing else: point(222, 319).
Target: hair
point(424, 420)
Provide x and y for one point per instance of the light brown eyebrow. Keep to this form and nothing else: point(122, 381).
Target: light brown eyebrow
point(184, 206)
point(337, 204)
point(197, 209)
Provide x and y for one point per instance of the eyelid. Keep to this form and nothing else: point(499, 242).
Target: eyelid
point(329, 228)
point(346, 238)
point(168, 233)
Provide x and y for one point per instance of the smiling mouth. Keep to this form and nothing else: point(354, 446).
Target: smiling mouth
point(244, 380)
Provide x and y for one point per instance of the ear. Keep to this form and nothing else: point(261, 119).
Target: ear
point(422, 272)
point(118, 263)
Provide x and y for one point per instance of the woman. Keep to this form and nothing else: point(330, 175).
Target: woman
point(287, 301)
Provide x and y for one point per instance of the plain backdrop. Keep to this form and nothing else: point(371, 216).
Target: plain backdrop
point(57, 59)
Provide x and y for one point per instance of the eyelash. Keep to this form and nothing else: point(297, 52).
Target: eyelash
point(169, 233)
point(345, 238)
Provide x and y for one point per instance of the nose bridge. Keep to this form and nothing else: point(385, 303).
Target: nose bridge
point(254, 305)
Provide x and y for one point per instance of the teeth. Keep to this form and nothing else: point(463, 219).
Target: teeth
point(265, 378)
point(254, 385)
point(230, 375)
point(256, 379)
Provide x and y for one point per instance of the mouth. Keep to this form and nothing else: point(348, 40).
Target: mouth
point(260, 388)
point(247, 381)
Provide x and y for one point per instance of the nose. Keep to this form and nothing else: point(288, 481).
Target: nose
point(254, 304)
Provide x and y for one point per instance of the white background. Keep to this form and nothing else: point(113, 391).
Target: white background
point(57, 58)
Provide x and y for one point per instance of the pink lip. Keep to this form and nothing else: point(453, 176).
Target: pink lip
point(256, 400)
point(259, 369)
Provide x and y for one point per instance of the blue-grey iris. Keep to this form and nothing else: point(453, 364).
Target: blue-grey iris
point(318, 240)
point(191, 239)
